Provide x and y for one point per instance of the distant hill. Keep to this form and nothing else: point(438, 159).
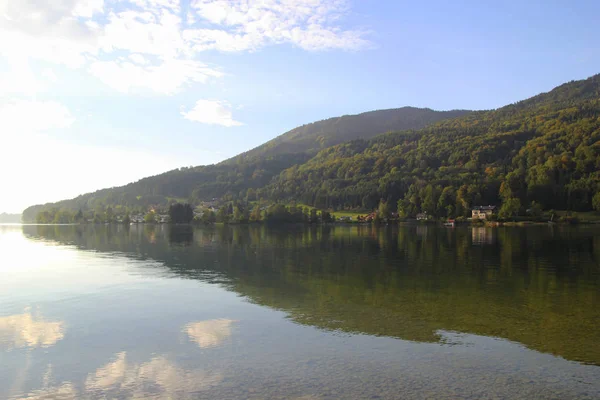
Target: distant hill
point(316, 136)
point(253, 169)
point(10, 218)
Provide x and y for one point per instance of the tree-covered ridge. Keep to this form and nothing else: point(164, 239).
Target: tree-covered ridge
point(543, 150)
point(191, 184)
point(311, 138)
point(540, 153)
point(249, 171)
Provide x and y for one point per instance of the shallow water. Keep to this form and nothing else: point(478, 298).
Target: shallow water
point(306, 313)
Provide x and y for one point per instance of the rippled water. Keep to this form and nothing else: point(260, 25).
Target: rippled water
point(307, 313)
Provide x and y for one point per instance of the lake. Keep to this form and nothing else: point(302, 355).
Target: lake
point(251, 312)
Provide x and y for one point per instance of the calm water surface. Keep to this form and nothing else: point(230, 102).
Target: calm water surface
point(99, 312)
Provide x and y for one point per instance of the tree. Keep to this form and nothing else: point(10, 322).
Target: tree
point(512, 186)
point(596, 201)
point(240, 214)
point(109, 214)
point(510, 207)
point(278, 213)
point(446, 201)
point(208, 217)
point(429, 200)
point(79, 216)
point(535, 209)
point(256, 215)
point(314, 218)
point(181, 213)
point(223, 214)
point(150, 217)
point(43, 217)
point(62, 217)
point(383, 211)
point(250, 195)
point(326, 217)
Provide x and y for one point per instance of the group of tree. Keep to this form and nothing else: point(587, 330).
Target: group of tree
point(181, 213)
point(242, 212)
point(542, 152)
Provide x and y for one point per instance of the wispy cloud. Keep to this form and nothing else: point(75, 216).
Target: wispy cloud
point(61, 32)
point(213, 112)
point(167, 77)
point(239, 25)
point(95, 33)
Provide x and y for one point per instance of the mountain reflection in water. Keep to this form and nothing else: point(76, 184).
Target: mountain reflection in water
point(536, 286)
point(230, 312)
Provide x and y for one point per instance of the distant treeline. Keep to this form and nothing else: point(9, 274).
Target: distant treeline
point(10, 218)
point(178, 213)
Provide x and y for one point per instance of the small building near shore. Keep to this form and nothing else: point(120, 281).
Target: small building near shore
point(422, 216)
point(482, 212)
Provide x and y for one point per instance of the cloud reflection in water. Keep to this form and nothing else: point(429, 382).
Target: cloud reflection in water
point(158, 376)
point(209, 333)
point(27, 330)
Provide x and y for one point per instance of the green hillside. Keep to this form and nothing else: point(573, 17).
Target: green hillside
point(316, 136)
point(545, 149)
point(540, 153)
point(250, 170)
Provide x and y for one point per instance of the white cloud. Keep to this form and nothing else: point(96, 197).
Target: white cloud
point(155, 32)
point(87, 8)
point(158, 377)
point(19, 78)
point(211, 112)
point(27, 330)
point(158, 36)
point(169, 4)
point(167, 78)
point(210, 333)
point(49, 74)
point(51, 31)
point(138, 59)
point(248, 25)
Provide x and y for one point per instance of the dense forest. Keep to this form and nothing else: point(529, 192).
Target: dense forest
point(316, 136)
point(543, 150)
point(252, 170)
point(540, 153)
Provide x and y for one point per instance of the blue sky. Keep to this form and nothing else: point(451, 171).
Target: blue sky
point(98, 93)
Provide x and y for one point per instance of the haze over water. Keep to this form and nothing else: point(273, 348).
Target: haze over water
point(306, 313)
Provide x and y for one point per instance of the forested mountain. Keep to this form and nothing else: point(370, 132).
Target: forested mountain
point(316, 136)
point(544, 150)
point(253, 169)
